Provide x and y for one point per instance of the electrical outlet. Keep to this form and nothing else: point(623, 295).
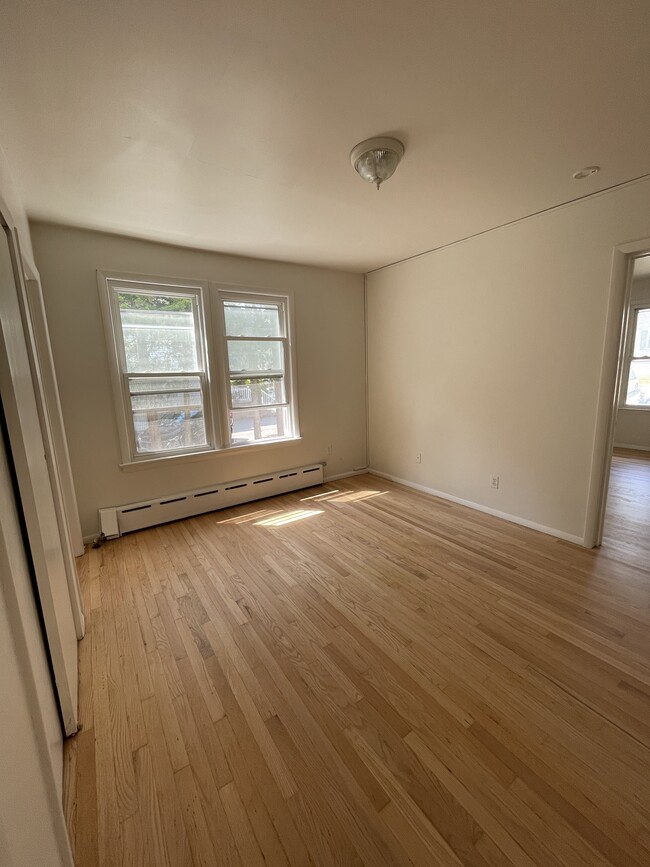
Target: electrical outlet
point(494, 482)
point(418, 458)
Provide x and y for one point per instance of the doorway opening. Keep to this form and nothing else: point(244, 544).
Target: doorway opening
point(625, 522)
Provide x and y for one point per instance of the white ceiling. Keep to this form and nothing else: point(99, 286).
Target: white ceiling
point(227, 124)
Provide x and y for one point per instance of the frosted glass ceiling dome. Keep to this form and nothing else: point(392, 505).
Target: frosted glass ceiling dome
point(376, 159)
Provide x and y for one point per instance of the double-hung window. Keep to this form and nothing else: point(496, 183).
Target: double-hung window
point(197, 368)
point(158, 337)
point(637, 395)
point(258, 365)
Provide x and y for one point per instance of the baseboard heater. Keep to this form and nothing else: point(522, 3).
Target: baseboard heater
point(135, 516)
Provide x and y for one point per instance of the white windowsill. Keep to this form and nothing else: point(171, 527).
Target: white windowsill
point(159, 460)
point(644, 408)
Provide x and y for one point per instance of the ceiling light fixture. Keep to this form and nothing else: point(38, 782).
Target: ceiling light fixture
point(587, 172)
point(375, 159)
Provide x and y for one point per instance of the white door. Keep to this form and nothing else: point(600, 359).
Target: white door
point(28, 453)
point(32, 826)
point(51, 421)
point(53, 405)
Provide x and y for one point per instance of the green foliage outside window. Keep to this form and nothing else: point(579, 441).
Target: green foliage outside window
point(131, 301)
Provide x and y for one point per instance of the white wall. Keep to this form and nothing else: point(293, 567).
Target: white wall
point(633, 429)
point(633, 426)
point(486, 357)
point(329, 332)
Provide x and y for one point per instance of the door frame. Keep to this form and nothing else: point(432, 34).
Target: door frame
point(610, 385)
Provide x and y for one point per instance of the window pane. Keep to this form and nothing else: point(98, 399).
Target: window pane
point(642, 335)
point(253, 425)
point(253, 356)
point(159, 332)
point(164, 419)
point(159, 431)
point(255, 391)
point(638, 386)
point(252, 320)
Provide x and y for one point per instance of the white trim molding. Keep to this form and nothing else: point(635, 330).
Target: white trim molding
point(620, 290)
point(631, 447)
point(479, 507)
point(347, 475)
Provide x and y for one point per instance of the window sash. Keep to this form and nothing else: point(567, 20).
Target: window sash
point(200, 375)
point(631, 357)
point(633, 336)
point(281, 304)
point(157, 290)
point(269, 403)
point(201, 388)
point(114, 287)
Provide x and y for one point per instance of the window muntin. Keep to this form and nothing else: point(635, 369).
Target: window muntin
point(638, 380)
point(258, 368)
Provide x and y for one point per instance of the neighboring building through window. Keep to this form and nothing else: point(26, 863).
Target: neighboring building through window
point(171, 397)
point(638, 360)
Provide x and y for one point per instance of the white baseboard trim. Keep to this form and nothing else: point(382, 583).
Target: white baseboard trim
point(514, 519)
point(631, 447)
point(346, 475)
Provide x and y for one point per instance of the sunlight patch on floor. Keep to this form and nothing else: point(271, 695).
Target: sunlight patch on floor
point(289, 517)
point(278, 517)
point(249, 516)
point(344, 496)
point(321, 496)
point(356, 496)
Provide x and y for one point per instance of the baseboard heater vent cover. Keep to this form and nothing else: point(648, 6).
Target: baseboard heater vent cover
point(135, 516)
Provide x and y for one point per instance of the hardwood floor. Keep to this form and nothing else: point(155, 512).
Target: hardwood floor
point(360, 674)
point(627, 519)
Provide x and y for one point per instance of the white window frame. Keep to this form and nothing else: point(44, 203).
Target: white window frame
point(284, 301)
point(630, 357)
point(212, 347)
point(110, 285)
